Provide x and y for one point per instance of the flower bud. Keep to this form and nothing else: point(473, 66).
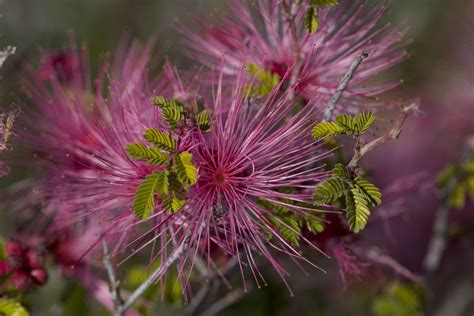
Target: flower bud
point(21, 281)
point(39, 276)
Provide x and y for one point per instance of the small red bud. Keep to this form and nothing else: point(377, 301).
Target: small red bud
point(34, 259)
point(13, 246)
point(15, 261)
point(21, 281)
point(39, 276)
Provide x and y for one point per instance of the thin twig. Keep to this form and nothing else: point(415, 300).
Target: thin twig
point(159, 272)
point(114, 282)
point(223, 303)
point(213, 282)
point(362, 149)
point(4, 54)
point(343, 85)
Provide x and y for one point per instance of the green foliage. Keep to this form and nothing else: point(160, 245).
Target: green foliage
point(267, 81)
point(330, 190)
point(144, 201)
point(172, 203)
point(185, 169)
point(3, 251)
point(162, 140)
point(10, 307)
point(357, 194)
point(311, 18)
point(327, 129)
point(162, 182)
point(153, 156)
point(399, 299)
point(344, 125)
point(203, 120)
point(458, 183)
point(163, 102)
point(172, 115)
point(290, 224)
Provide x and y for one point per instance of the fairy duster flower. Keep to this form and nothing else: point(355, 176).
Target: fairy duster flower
point(263, 36)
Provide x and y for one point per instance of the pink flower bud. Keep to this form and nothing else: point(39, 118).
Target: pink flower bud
point(34, 258)
point(15, 261)
point(3, 267)
point(21, 281)
point(39, 276)
point(13, 246)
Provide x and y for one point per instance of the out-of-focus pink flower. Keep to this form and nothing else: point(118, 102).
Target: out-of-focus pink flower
point(344, 31)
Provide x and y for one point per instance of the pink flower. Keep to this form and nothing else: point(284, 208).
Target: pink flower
point(344, 31)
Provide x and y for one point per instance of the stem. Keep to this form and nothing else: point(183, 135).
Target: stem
point(291, 12)
point(114, 283)
point(343, 85)
point(159, 272)
point(223, 303)
point(361, 150)
point(4, 54)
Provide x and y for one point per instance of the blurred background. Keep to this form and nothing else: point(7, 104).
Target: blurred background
point(440, 72)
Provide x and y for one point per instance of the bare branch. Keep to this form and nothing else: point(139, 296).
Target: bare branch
point(343, 85)
point(159, 272)
point(361, 150)
point(4, 54)
point(223, 303)
point(114, 282)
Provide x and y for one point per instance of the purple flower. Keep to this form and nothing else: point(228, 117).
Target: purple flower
point(325, 56)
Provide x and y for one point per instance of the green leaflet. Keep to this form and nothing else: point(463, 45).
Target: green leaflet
point(163, 102)
point(327, 129)
point(363, 121)
point(185, 169)
point(325, 3)
point(172, 203)
point(160, 139)
point(10, 307)
point(203, 120)
point(358, 195)
point(267, 81)
point(371, 192)
point(172, 115)
point(458, 183)
point(153, 156)
point(144, 201)
point(344, 124)
point(330, 190)
point(358, 214)
point(288, 227)
point(311, 20)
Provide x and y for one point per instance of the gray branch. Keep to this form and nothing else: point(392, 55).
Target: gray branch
point(114, 282)
point(343, 85)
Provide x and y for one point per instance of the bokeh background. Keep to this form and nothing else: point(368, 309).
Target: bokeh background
point(440, 72)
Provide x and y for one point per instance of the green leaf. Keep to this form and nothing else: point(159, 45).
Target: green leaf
point(342, 171)
point(330, 190)
point(185, 169)
point(153, 156)
point(144, 201)
point(346, 122)
point(325, 3)
point(446, 175)
point(267, 81)
point(371, 192)
point(457, 197)
point(311, 20)
point(160, 139)
point(291, 231)
point(203, 120)
point(363, 121)
point(358, 212)
point(162, 183)
point(172, 115)
point(314, 225)
point(3, 251)
point(399, 299)
point(327, 129)
point(172, 203)
point(10, 307)
point(163, 102)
